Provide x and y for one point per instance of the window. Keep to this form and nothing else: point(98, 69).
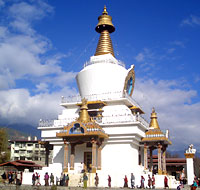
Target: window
point(22, 151)
point(22, 157)
point(16, 151)
point(22, 145)
point(16, 158)
point(42, 152)
point(36, 158)
point(29, 151)
point(17, 144)
point(36, 152)
point(29, 158)
point(29, 144)
point(36, 145)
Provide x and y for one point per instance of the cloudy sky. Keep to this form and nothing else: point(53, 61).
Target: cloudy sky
point(44, 44)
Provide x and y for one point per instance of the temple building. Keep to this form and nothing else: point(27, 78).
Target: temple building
point(102, 130)
point(155, 139)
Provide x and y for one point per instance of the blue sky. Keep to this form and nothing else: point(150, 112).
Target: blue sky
point(44, 44)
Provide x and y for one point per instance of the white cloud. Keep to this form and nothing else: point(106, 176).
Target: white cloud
point(174, 109)
point(23, 56)
point(139, 57)
point(2, 3)
point(196, 78)
point(171, 50)
point(147, 59)
point(42, 87)
point(18, 106)
point(24, 13)
point(191, 21)
point(178, 43)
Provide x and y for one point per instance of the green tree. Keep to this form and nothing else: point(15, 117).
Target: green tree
point(197, 166)
point(4, 148)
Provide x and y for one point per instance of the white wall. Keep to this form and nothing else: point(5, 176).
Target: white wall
point(101, 78)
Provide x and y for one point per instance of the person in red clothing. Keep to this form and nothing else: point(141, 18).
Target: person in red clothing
point(153, 182)
point(109, 181)
point(166, 182)
point(149, 182)
point(142, 182)
point(125, 181)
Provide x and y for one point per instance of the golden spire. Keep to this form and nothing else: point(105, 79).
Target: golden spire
point(105, 27)
point(154, 122)
point(84, 116)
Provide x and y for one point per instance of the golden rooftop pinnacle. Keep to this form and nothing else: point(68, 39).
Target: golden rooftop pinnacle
point(84, 116)
point(105, 27)
point(104, 11)
point(154, 122)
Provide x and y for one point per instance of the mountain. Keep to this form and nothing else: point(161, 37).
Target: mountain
point(20, 131)
point(180, 153)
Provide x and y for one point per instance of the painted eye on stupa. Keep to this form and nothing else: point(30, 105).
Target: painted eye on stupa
point(129, 82)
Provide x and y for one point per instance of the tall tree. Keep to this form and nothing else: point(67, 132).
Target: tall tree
point(197, 166)
point(4, 148)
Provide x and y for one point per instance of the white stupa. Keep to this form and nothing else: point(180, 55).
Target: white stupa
point(101, 129)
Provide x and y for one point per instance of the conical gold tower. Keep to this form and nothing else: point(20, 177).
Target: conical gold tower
point(84, 116)
point(154, 122)
point(105, 27)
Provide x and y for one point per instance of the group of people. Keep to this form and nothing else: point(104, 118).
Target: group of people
point(36, 179)
point(151, 182)
point(12, 177)
point(49, 179)
point(125, 181)
point(64, 180)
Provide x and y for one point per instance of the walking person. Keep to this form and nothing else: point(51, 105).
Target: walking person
point(4, 177)
point(33, 179)
point(149, 181)
point(46, 179)
point(109, 181)
point(63, 180)
point(153, 182)
point(125, 181)
point(194, 185)
point(9, 177)
point(142, 182)
point(166, 182)
point(96, 180)
point(85, 179)
point(18, 182)
point(51, 179)
point(132, 181)
point(14, 177)
point(67, 180)
point(37, 176)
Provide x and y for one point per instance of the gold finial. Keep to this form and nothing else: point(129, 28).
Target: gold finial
point(105, 27)
point(154, 122)
point(105, 11)
point(84, 116)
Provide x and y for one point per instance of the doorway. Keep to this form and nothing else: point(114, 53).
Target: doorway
point(87, 161)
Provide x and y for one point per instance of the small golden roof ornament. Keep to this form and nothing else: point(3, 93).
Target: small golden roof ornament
point(84, 116)
point(104, 11)
point(104, 27)
point(154, 122)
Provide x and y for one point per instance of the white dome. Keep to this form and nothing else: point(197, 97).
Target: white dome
point(103, 74)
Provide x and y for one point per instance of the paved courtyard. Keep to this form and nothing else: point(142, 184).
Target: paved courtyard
point(29, 187)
